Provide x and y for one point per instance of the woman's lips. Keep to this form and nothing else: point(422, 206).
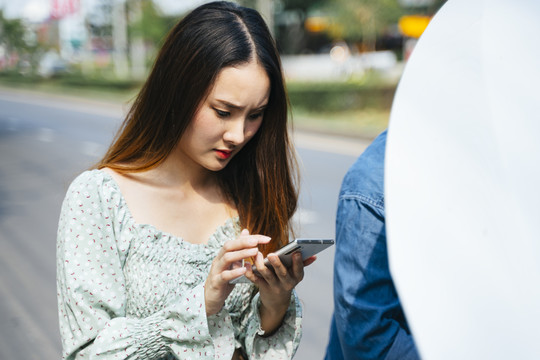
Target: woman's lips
point(223, 154)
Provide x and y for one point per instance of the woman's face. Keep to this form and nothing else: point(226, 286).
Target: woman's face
point(228, 118)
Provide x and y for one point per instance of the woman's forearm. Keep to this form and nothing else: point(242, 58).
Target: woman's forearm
point(272, 317)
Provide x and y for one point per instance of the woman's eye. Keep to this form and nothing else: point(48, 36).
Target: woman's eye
point(255, 116)
point(222, 114)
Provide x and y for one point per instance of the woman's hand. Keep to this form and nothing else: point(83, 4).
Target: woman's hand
point(227, 266)
point(275, 286)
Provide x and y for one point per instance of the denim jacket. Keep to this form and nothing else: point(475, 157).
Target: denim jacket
point(368, 321)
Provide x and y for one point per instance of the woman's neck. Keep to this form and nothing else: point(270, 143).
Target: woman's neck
point(177, 171)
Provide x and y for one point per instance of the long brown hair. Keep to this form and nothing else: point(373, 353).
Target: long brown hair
point(260, 180)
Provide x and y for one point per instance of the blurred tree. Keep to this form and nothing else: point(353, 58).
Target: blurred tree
point(290, 32)
point(137, 29)
point(437, 4)
point(99, 21)
point(151, 24)
point(147, 29)
point(361, 21)
point(12, 34)
point(302, 5)
point(424, 7)
point(20, 48)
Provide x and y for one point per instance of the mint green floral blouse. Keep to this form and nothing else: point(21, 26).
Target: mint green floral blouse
point(128, 290)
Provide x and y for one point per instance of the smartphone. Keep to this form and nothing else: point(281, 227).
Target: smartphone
point(307, 247)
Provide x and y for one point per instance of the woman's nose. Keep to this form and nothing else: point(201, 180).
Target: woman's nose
point(234, 133)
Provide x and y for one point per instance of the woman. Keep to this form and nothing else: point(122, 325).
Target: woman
point(149, 240)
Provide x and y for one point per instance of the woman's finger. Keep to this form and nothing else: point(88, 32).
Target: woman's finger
point(226, 260)
point(266, 272)
point(298, 267)
point(310, 260)
point(228, 275)
point(245, 241)
point(279, 269)
point(250, 274)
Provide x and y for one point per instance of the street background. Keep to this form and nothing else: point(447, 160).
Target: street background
point(68, 69)
point(45, 141)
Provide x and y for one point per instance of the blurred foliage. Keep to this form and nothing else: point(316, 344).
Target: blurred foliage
point(361, 21)
point(309, 97)
point(12, 33)
point(20, 47)
point(147, 22)
point(434, 7)
point(290, 30)
point(303, 5)
point(97, 82)
point(366, 123)
point(72, 80)
point(12, 77)
point(351, 109)
point(339, 96)
point(366, 25)
point(347, 107)
point(99, 19)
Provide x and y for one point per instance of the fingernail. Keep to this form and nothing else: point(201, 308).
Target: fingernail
point(245, 232)
point(266, 238)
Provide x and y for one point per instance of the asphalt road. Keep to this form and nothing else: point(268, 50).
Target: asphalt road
point(45, 141)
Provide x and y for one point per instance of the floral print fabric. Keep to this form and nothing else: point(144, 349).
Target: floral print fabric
point(128, 290)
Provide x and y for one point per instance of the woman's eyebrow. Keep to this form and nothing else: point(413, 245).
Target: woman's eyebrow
point(239, 107)
point(230, 105)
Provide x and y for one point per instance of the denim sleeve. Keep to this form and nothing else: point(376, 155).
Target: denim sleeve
point(368, 320)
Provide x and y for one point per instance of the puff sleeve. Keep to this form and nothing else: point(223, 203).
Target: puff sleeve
point(92, 295)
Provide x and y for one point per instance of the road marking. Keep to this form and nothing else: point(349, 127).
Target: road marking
point(45, 135)
point(13, 124)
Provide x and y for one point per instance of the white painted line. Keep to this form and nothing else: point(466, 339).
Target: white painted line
point(45, 135)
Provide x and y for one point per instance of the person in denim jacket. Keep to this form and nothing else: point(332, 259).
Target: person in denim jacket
point(368, 320)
